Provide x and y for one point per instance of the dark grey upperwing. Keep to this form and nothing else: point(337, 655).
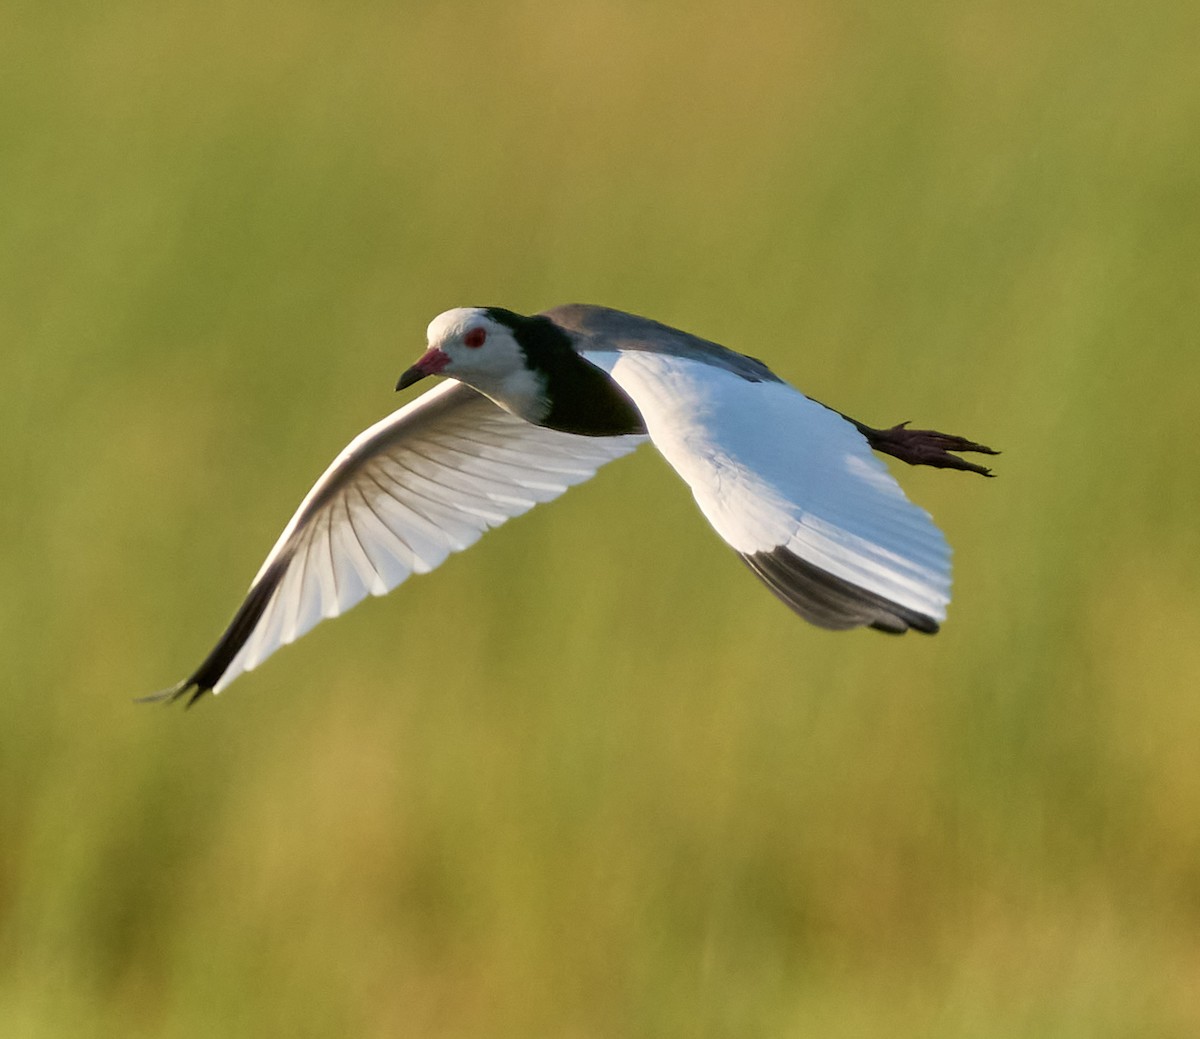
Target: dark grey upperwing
point(609, 329)
point(602, 328)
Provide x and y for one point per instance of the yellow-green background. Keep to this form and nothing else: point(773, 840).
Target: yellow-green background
point(590, 779)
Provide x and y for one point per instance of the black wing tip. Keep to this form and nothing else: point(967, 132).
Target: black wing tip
point(227, 648)
point(831, 602)
point(918, 622)
point(190, 689)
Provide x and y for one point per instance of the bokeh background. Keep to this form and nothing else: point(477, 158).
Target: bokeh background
point(590, 779)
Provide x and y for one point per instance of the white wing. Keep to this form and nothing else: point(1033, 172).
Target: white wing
point(794, 488)
point(426, 481)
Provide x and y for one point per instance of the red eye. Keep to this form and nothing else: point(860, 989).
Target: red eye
point(475, 338)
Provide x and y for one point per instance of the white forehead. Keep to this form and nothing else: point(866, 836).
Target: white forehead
point(455, 322)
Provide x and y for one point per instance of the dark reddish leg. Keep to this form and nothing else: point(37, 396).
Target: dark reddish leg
point(925, 447)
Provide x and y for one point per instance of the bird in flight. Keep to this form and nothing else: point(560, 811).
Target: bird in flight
point(532, 406)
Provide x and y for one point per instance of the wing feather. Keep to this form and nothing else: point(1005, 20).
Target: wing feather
point(792, 486)
point(426, 481)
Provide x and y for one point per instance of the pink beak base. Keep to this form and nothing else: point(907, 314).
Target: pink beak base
point(431, 362)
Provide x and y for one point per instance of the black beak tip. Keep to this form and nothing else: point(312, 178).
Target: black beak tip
point(408, 378)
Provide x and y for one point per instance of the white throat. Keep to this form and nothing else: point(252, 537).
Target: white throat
point(520, 392)
point(495, 365)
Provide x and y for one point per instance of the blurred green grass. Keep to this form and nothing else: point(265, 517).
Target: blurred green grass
point(589, 779)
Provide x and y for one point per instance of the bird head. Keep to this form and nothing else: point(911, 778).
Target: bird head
point(469, 344)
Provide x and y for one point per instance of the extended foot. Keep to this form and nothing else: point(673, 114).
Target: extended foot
point(925, 447)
